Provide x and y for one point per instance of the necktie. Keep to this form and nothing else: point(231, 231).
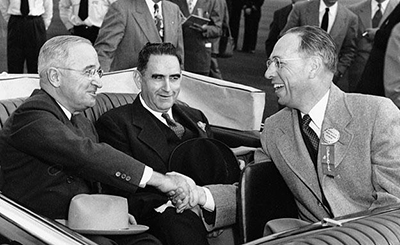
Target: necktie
point(311, 135)
point(325, 20)
point(76, 122)
point(158, 20)
point(83, 9)
point(178, 129)
point(24, 7)
point(190, 5)
point(377, 17)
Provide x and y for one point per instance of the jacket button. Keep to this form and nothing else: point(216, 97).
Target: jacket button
point(118, 174)
point(70, 179)
point(123, 176)
point(128, 178)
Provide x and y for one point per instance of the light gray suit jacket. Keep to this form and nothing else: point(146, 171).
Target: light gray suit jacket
point(367, 155)
point(364, 44)
point(343, 31)
point(128, 26)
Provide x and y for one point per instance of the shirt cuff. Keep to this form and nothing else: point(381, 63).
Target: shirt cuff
point(147, 173)
point(210, 204)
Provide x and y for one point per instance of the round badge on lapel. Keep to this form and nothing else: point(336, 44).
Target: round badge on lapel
point(331, 136)
point(206, 161)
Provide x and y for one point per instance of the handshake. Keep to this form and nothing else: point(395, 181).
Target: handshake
point(181, 190)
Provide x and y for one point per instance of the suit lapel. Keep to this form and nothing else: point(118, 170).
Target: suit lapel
point(389, 8)
point(150, 130)
point(188, 121)
point(168, 19)
point(312, 16)
point(365, 14)
point(145, 20)
point(338, 116)
point(339, 24)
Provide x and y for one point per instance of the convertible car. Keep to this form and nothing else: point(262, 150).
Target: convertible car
point(235, 114)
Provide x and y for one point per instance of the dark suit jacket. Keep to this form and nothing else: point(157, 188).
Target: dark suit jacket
point(128, 26)
point(343, 32)
point(135, 131)
point(46, 160)
point(278, 23)
point(372, 78)
point(197, 55)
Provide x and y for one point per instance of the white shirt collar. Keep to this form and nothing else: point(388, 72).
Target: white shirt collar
point(317, 114)
point(374, 7)
point(155, 113)
point(66, 112)
point(332, 13)
point(150, 5)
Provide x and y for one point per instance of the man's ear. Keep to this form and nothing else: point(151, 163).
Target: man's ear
point(54, 77)
point(315, 66)
point(137, 77)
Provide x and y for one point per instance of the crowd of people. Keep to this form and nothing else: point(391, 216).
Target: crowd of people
point(337, 152)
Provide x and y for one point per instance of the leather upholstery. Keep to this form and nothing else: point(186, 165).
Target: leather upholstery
point(263, 196)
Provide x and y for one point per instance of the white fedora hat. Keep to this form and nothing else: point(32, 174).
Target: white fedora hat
point(100, 214)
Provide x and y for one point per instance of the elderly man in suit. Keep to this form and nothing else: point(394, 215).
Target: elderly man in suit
point(341, 24)
point(279, 21)
point(370, 17)
point(337, 152)
point(141, 130)
point(129, 25)
point(49, 152)
point(198, 39)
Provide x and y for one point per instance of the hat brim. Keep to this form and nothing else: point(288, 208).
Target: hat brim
point(132, 229)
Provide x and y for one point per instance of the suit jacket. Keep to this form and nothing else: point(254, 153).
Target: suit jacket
point(197, 53)
point(278, 23)
point(128, 26)
point(46, 160)
point(135, 131)
point(372, 78)
point(366, 157)
point(364, 44)
point(391, 75)
point(343, 31)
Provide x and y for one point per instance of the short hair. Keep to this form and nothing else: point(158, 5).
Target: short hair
point(55, 51)
point(155, 49)
point(316, 41)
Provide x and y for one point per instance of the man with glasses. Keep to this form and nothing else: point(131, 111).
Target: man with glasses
point(337, 152)
point(49, 152)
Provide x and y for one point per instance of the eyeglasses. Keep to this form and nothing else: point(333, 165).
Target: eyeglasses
point(89, 73)
point(278, 62)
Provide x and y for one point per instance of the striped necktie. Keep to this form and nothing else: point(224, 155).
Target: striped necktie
point(178, 129)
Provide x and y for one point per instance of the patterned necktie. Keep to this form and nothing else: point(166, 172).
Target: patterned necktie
point(309, 132)
point(83, 9)
point(24, 7)
point(178, 129)
point(158, 20)
point(190, 5)
point(377, 17)
point(325, 20)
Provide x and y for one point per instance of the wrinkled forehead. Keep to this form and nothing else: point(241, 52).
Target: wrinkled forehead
point(83, 54)
point(286, 46)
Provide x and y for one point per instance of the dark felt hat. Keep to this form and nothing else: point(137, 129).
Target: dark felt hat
point(206, 161)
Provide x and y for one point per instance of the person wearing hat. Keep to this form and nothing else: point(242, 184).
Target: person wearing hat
point(337, 152)
point(143, 130)
point(49, 152)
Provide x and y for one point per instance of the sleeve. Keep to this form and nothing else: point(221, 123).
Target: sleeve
point(214, 29)
point(65, 9)
point(180, 47)
point(272, 35)
point(391, 74)
point(110, 35)
point(4, 4)
point(48, 12)
point(385, 154)
point(348, 49)
point(47, 138)
point(293, 19)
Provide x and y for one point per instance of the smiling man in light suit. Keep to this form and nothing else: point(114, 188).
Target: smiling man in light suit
point(365, 12)
point(347, 159)
point(129, 25)
point(342, 26)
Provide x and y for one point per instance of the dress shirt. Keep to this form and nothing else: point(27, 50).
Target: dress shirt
point(210, 203)
point(42, 8)
point(150, 4)
point(317, 114)
point(69, 10)
point(374, 7)
point(148, 172)
point(332, 13)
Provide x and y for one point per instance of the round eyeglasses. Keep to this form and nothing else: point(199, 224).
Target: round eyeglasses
point(89, 73)
point(278, 61)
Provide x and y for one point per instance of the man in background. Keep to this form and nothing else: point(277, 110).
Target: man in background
point(27, 21)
